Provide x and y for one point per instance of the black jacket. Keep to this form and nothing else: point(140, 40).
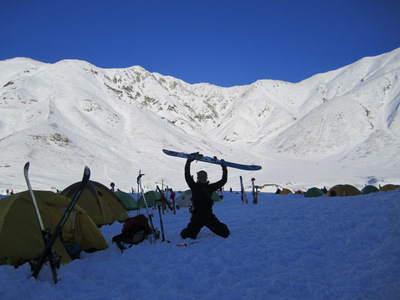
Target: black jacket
point(201, 193)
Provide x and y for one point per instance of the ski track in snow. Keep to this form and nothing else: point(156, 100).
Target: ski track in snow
point(285, 247)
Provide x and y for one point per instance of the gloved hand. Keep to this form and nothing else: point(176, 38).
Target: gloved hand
point(194, 156)
point(223, 164)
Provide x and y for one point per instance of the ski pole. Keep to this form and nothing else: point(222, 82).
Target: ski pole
point(155, 234)
point(161, 223)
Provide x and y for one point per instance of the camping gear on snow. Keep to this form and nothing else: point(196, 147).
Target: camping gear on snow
point(185, 199)
point(343, 190)
point(369, 189)
point(127, 200)
point(163, 200)
point(155, 234)
point(20, 236)
point(314, 192)
point(134, 231)
point(99, 202)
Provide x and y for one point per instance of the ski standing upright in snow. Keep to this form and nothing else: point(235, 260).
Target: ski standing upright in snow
point(50, 239)
point(54, 260)
point(242, 192)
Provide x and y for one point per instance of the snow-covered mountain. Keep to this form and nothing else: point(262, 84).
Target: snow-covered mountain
point(342, 126)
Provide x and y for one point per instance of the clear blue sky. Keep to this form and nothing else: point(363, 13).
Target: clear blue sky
point(225, 43)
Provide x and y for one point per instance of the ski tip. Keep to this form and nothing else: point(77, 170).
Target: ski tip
point(166, 151)
point(87, 171)
point(26, 167)
point(256, 168)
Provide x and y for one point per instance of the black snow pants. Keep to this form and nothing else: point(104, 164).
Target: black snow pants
point(197, 221)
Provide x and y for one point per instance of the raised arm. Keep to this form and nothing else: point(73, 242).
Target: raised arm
point(188, 176)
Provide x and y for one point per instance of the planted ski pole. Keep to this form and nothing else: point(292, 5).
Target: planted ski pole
point(254, 191)
point(53, 258)
point(155, 234)
point(47, 252)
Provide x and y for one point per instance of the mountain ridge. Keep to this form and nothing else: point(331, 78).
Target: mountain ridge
point(117, 121)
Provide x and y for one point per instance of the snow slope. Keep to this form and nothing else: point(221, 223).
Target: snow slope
point(338, 127)
point(285, 247)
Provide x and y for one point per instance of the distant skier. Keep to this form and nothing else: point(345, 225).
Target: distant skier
point(202, 214)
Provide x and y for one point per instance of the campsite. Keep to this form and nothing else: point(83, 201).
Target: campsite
point(287, 246)
point(299, 100)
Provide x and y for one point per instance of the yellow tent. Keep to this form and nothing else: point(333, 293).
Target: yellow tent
point(20, 235)
point(283, 192)
point(343, 190)
point(389, 187)
point(100, 202)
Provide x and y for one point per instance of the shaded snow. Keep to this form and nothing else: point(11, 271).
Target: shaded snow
point(285, 247)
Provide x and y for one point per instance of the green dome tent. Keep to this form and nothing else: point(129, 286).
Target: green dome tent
point(151, 198)
point(369, 189)
point(314, 192)
point(127, 200)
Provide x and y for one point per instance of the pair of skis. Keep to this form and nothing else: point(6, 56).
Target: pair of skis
point(49, 238)
point(254, 191)
point(156, 234)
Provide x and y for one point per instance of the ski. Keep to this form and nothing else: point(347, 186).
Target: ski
point(212, 160)
point(162, 201)
point(155, 234)
point(243, 193)
point(53, 258)
point(47, 252)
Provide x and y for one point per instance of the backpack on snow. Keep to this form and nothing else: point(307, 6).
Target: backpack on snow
point(134, 231)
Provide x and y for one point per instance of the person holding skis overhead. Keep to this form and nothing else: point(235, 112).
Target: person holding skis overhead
point(202, 213)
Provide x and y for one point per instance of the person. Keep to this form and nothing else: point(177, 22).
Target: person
point(202, 213)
